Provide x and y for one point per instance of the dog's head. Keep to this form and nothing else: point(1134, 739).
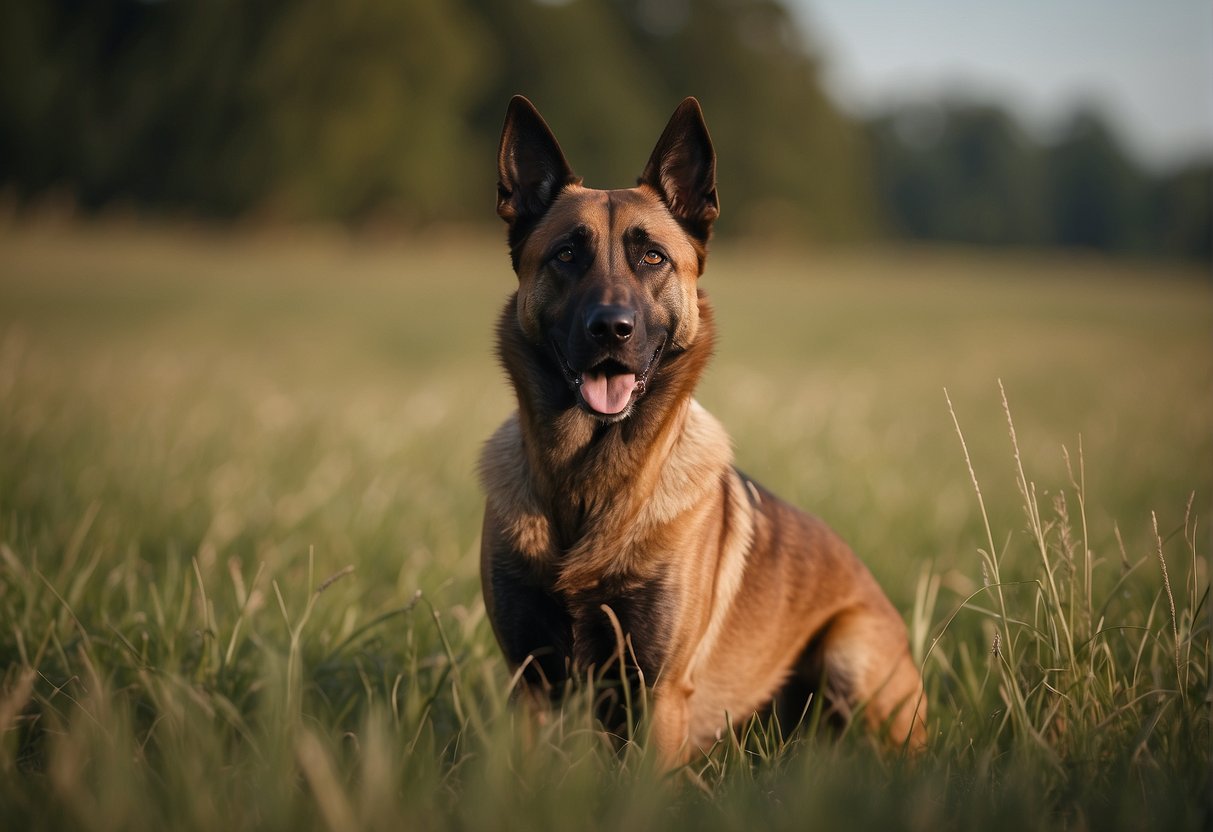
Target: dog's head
point(607, 280)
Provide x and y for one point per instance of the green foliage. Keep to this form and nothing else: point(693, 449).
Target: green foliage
point(1095, 192)
point(965, 174)
point(366, 101)
point(1181, 211)
point(968, 172)
point(198, 440)
point(323, 109)
point(375, 109)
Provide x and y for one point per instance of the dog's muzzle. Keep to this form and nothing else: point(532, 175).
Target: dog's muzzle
point(608, 389)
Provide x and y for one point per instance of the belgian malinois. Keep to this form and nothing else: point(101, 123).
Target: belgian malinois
point(614, 514)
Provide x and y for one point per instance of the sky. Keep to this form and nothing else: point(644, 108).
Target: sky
point(1147, 64)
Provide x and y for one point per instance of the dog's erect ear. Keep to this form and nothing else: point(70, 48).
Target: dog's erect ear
point(682, 169)
point(531, 168)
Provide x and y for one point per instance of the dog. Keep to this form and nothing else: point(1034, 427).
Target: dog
point(616, 528)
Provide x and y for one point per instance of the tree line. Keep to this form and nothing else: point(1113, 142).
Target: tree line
point(968, 172)
point(351, 109)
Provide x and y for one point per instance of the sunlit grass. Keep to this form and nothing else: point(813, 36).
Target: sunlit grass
point(239, 527)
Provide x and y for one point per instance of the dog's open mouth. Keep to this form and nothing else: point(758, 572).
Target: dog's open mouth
point(609, 387)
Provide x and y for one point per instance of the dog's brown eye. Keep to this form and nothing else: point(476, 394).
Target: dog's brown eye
point(565, 255)
point(654, 258)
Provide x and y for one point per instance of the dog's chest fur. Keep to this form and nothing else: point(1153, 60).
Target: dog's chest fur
point(633, 550)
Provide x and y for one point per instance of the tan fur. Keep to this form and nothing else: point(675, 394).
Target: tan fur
point(642, 527)
point(737, 642)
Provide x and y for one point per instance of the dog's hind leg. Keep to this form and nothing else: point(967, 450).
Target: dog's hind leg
point(867, 662)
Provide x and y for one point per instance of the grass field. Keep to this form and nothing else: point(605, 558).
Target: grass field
point(239, 535)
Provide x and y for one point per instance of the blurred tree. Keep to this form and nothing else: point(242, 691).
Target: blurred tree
point(1097, 196)
point(591, 80)
point(967, 172)
point(958, 171)
point(608, 73)
point(120, 99)
point(327, 108)
point(1181, 212)
point(365, 104)
point(222, 105)
point(792, 163)
point(348, 108)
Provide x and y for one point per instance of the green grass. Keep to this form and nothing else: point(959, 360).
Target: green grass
point(239, 536)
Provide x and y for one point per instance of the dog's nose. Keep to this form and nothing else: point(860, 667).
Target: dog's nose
point(610, 326)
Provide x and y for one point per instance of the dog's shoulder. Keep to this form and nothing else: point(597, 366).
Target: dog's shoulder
point(503, 462)
point(511, 501)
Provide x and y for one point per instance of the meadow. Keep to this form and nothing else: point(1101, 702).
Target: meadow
point(239, 525)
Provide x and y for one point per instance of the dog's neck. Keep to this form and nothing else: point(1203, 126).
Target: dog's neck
point(579, 465)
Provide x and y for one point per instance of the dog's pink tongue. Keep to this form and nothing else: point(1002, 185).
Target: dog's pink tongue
point(607, 394)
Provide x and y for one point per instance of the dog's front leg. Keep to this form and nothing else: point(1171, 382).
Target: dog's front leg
point(670, 722)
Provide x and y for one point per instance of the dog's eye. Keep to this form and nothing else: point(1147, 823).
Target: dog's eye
point(654, 258)
point(565, 254)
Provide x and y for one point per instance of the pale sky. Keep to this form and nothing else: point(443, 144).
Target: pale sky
point(1147, 63)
